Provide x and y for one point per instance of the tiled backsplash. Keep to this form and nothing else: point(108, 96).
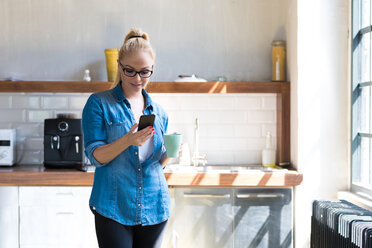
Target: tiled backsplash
point(232, 126)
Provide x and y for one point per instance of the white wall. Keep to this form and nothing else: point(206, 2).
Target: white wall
point(322, 94)
point(57, 40)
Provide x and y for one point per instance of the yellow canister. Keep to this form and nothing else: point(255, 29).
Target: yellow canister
point(111, 55)
point(278, 60)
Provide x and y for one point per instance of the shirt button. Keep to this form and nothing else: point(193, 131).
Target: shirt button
point(140, 187)
point(139, 169)
point(139, 205)
point(136, 153)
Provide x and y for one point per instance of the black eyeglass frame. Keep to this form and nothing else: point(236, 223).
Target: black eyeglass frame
point(135, 74)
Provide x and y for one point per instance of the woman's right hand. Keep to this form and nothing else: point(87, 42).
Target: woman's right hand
point(140, 137)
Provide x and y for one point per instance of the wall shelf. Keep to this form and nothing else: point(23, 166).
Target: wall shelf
point(154, 87)
point(281, 89)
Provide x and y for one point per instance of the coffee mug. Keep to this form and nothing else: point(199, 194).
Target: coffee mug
point(172, 144)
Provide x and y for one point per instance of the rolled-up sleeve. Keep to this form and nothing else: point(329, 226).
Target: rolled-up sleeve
point(94, 129)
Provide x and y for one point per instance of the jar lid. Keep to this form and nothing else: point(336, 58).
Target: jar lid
point(278, 43)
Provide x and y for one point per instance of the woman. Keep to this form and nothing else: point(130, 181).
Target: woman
point(130, 196)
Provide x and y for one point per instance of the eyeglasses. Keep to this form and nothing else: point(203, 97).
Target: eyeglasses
point(132, 73)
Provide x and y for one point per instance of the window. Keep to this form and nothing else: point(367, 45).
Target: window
point(361, 169)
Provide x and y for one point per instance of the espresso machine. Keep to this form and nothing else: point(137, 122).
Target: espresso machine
point(63, 142)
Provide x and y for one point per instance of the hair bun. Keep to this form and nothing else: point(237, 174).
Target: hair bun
point(136, 33)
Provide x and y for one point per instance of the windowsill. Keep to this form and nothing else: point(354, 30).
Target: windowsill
point(361, 201)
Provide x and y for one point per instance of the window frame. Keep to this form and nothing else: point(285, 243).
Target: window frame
point(357, 86)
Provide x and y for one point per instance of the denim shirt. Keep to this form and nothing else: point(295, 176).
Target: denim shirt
point(124, 189)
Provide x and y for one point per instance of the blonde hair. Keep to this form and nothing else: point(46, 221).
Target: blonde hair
point(135, 40)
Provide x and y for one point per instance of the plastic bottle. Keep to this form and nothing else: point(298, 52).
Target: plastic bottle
point(268, 153)
point(86, 76)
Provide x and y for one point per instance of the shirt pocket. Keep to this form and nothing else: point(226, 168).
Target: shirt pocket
point(116, 129)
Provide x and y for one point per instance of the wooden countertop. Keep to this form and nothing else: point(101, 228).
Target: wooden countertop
point(38, 175)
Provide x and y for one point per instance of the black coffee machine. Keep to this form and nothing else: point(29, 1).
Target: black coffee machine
point(63, 142)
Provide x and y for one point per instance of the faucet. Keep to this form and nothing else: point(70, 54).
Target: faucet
point(196, 158)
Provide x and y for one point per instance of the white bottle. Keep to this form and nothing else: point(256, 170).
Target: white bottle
point(268, 153)
point(185, 157)
point(86, 76)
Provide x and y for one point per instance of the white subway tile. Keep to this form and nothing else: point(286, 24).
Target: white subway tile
point(31, 157)
point(27, 102)
point(193, 101)
point(248, 157)
point(5, 101)
point(181, 117)
point(5, 125)
point(77, 102)
point(168, 102)
point(254, 144)
point(54, 102)
point(12, 115)
point(268, 128)
point(261, 116)
point(223, 116)
point(217, 102)
point(39, 115)
point(76, 114)
point(219, 157)
point(231, 144)
point(222, 144)
point(218, 131)
point(21, 140)
point(20, 147)
point(248, 101)
point(269, 102)
point(247, 130)
point(188, 130)
point(29, 129)
point(34, 144)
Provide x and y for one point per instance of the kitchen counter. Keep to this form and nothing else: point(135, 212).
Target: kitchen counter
point(38, 175)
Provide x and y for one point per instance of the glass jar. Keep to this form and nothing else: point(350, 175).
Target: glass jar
point(278, 60)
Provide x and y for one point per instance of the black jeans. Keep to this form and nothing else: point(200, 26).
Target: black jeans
point(111, 234)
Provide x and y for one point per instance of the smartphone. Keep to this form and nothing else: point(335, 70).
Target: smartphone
point(146, 121)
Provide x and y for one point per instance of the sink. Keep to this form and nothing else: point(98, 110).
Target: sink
point(217, 168)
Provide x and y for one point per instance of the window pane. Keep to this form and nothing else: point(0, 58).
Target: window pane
point(356, 66)
point(365, 11)
point(356, 17)
point(364, 112)
point(361, 171)
point(365, 57)
point(365, 161)
point(370, 160)
point(370, 109)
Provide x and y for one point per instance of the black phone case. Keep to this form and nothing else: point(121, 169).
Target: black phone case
point(145, 121)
